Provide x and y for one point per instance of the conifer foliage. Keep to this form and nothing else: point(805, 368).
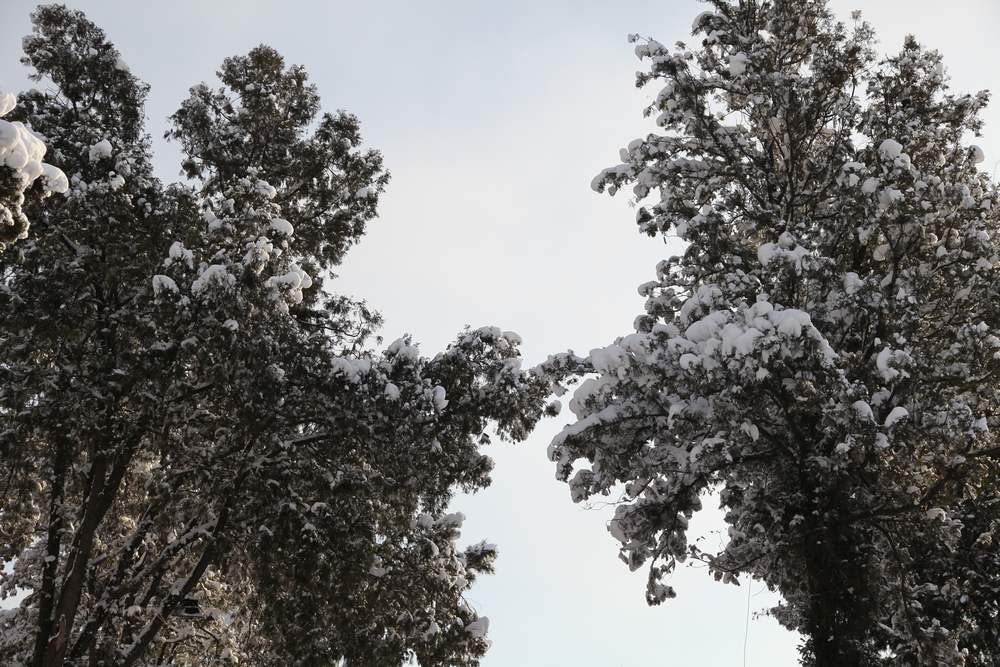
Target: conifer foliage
point(203, 459)
point(825, 353)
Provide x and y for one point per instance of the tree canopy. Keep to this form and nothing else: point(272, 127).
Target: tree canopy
point(204, 455)
point(825, 352)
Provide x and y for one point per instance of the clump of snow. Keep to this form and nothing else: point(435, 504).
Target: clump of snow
point(163, 284)
point(22, 151)
point(597, 183)
point(481, 548)
point(881, 252)
point(9, 137)
point(7, 102)
point(881, 396)
point(291, 283)
point(788, 252)
point(351, 368)
point(479, 627)
point(588, 389)
point(54, 178)
point(791, 321)
point(888, 356)
point(698, 20)
point(512, 337)
point(258, 253)
point(852, 282)
point(687, 360)
point(616, 527)
point(403, 350)
point(116, 182)
point(440, 402)
point(266, 189)
point(935, 513)
point(178, 253)
point(888, 196)
point(721, 335)
point(705, 328)
point(894, 416)
point(882, 363)
point(863, 410)
point(216, 274)
point(978, 156)
point(282, 226)
point(210, 218)
point(766, 252)
point(739, 341)
point(391, 391)
point(99, 151)
point(890, 149)
point(608, 359)
point(650, 49)
point(737, 64)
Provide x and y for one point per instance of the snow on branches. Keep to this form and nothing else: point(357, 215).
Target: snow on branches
point(21, 153)
point(825, 352)
point(207, 460)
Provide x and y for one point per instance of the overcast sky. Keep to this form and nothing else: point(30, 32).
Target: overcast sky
point(493, 117)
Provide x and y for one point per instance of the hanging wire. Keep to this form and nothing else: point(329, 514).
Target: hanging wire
point(746, 631)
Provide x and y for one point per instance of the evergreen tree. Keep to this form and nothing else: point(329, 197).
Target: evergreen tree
point(825, 352)
point(203, 458)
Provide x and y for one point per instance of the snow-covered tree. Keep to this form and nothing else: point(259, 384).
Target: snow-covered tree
point(204, 460)
point(825, 353)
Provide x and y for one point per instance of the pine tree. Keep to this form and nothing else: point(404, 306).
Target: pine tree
point(825, 352)
point(204, 458)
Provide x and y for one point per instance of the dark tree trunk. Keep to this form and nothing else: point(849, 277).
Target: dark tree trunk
point(839, 616)
point(46, 596)
point(102, 490)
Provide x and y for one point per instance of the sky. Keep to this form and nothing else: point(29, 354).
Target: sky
point(493, 118)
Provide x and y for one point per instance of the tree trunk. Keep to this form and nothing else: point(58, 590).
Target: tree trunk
point(838, 619)
point(103, 488)
point(46, 596)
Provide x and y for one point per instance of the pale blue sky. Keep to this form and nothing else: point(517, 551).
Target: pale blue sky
point(493, 117)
